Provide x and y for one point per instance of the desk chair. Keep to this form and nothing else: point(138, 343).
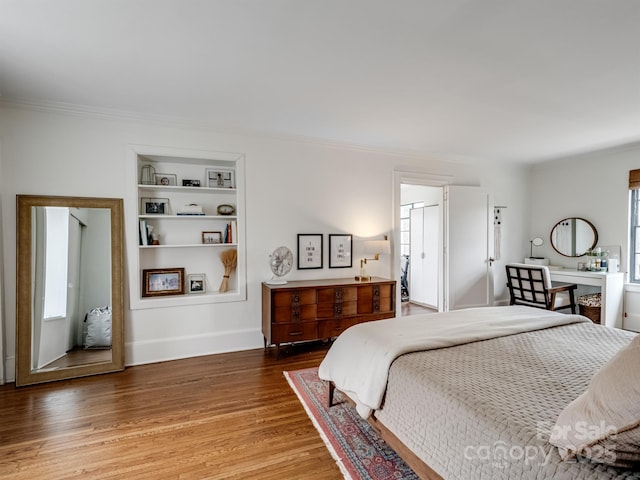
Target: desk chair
point(531, 285)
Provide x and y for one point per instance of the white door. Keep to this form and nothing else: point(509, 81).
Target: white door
point(468, 239)
point(74, 316)
point(424, 255)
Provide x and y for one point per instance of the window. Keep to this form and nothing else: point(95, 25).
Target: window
point(56, 255)
point(634, 222)
point(405, 226)
point(634, 240)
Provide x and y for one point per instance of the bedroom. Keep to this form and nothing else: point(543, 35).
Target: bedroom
point(58, 145)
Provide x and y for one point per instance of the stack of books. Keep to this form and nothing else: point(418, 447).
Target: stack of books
point(191, 209)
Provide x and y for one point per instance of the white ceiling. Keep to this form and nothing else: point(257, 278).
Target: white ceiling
point(513, 80)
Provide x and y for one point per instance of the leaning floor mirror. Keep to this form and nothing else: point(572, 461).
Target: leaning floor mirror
point(70, 287)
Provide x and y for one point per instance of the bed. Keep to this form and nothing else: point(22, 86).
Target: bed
point(480, 393)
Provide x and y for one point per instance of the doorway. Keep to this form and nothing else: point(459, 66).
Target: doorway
point(452, 240)
point(421, 247)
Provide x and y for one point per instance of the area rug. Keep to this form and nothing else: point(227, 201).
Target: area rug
point(357, 448)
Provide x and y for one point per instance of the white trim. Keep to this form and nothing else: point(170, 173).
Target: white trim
point(190, 123)
point(400, 177)
point(175, 348)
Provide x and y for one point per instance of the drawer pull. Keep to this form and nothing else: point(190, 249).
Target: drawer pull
point(294, 334)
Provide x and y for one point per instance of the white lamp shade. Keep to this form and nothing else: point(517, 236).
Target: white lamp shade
point(377, 246)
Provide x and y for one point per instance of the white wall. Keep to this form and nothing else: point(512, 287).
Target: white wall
point(593, 186)
point(292, 187)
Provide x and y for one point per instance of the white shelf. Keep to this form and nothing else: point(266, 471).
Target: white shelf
point(177, 233)
point(191, 299)
point(175, 188)
point(192, 245)
point(188, 217)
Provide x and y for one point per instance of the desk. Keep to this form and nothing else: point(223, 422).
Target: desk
point(611, 286)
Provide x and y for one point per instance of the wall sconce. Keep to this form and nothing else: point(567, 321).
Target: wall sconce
point(375, 248)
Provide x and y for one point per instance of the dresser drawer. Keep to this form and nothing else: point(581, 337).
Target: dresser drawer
point(294, 297)
point(337, 294)
point(333, 328)
point(331, 310)
point(294, 332)
point(375, 298)
point(294, 313)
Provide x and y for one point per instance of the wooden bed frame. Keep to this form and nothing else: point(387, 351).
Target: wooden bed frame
point(423, 470)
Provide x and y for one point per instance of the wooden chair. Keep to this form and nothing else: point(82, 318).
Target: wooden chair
point(531, 285)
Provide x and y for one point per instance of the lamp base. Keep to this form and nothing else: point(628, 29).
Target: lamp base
point(363, 278)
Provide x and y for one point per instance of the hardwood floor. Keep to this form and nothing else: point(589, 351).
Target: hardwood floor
point(227, 416)
point(410, 308)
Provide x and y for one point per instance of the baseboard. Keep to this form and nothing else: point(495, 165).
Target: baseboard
point(9, 369)
point(165, 349)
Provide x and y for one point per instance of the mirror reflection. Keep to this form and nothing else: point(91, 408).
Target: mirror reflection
point(573, 237)
point(70, 288)
point(72, 277)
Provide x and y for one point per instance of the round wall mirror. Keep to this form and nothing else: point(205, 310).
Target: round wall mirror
point(573, 237)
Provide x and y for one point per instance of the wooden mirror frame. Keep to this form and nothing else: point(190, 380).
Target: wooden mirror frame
point(25, 375)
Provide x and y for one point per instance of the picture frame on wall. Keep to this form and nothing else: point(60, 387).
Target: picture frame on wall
point(196, 283)
point(310, 251)
point(340, 251)
point(157, 282)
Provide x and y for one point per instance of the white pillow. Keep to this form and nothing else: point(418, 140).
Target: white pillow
point(603, 424)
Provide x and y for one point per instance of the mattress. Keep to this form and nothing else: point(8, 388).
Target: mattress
point(485, 409)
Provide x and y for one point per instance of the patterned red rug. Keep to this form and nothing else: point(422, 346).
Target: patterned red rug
point(358, 449)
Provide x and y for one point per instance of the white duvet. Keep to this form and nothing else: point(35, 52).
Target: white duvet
point(359, 360)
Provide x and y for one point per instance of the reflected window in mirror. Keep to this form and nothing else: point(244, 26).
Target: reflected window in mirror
point(573, 237)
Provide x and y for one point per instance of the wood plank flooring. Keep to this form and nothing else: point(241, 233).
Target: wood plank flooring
point(227, 416)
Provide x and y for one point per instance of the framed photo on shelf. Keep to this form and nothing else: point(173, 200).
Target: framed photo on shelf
point(220, 178)
point(196, 283)
point(157, 282)
point(166, 179)
point(190, 183)
point(211, 237)
point(340, 251)
point(155, 206)
point(309, 251)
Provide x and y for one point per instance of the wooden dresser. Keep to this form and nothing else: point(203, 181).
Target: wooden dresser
point(322, 309)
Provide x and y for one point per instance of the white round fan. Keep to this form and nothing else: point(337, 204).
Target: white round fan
point(280, 261)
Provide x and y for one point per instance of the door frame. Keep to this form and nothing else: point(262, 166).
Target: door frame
point(410, 178)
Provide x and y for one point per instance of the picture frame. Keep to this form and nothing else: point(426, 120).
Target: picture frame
point(220, 178)
point(310, 251)
point(196, 283)
point(158, 282)
point(209, 238)
point(340, 247)
point(166, 179)
point(186, 182)
point(154, 206)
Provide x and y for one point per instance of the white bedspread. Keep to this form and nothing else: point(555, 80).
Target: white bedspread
point(359, 360)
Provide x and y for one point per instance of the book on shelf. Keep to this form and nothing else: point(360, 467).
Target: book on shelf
point(143, 233)
point(188, 214)
point(230, 232)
